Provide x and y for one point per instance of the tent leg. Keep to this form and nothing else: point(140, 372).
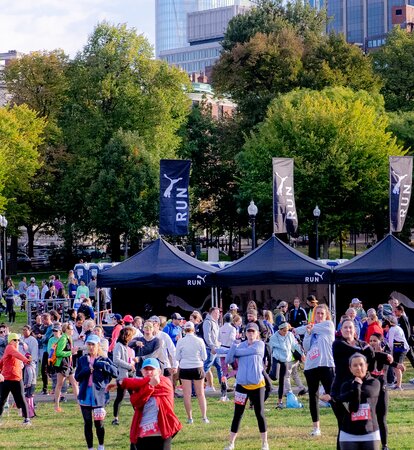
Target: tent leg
point(97, 299)
point(332, 296)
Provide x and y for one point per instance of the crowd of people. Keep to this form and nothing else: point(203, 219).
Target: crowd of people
point(156, 359)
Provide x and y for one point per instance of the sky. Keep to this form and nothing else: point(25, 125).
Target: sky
point(30, 25)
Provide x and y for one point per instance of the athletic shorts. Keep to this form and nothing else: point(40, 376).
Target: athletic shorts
point(192, 374)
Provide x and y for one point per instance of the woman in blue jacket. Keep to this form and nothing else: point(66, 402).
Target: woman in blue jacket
point(250, 382)
point(94, 373)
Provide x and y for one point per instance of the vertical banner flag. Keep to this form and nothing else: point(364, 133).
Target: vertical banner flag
point(174, 199)
point(401, 177)
point(284, 209)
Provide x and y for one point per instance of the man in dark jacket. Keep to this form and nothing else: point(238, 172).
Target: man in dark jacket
point(297, 315)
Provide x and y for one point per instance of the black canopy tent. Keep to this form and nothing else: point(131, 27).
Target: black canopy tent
point(388, 261)
point(373, 275)
point(274, 262)
point(158, 265)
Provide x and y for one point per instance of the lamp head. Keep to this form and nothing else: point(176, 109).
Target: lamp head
point(316, 212)
point(252, 209)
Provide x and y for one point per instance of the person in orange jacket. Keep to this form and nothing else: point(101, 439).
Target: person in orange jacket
point(11, 369)
point(154, 423)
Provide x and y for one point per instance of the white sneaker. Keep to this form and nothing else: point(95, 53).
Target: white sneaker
point(316, 432)
point(230, 447)
point(205, 420)
point(224, 398)
point(265, 446)
point(210, 389)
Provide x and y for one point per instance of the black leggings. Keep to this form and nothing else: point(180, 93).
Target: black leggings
point(256, 396)
point(17, 390)
point(10, 309)
point(43, 370)
point(382, 410)
point(367, 445)
point(282, 374)
point(152, 443)
point(120, 394)
point(99, 426)
point(323, 375)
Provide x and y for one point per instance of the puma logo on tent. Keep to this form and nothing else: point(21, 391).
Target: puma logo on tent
point(167, 192)
point(199, 281)
point(316, 278)
point(199, 277)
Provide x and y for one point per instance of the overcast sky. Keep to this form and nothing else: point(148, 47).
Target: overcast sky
point(29, 25)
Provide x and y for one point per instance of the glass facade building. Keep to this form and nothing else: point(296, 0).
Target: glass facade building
point(363, 22)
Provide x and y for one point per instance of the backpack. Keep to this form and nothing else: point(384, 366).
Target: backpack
point(51, 360)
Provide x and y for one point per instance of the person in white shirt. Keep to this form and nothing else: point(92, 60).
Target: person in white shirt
point(45, 288)
point(32, 292)
point(191, 353)
point(167, 351)
point(227, 336)
point(398, 344)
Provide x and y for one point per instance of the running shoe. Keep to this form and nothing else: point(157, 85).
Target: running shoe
point(190, 421)
point(205, 420)
point(26, 422)
point(224, 398)
point(115, 422)
point(279, 406)
point(316, 432)
point(411, 381)
point(303, 391)
point(265, 446)
point(230, 447)
point(210, 389)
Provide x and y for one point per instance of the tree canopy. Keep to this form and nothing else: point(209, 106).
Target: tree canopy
point(393, 62)
point(340, 146)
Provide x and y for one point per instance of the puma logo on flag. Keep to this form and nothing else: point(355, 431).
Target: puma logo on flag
point(167, 192)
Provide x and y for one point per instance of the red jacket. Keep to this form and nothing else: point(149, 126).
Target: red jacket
point(168, 422)
point(373, 328)
point(11, 364)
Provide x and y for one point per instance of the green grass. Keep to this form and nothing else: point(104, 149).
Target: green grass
point(288, 429)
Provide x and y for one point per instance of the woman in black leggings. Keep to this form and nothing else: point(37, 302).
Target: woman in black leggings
point(10, 300)
point(319, 363)
point(93, 373)
point(250, 382)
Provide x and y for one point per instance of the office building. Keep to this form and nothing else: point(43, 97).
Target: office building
point(5, 58)
point(366, 22)
point(188, 33)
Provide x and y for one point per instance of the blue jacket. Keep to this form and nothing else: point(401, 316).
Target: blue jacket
point(250, 357)
point(103, 371)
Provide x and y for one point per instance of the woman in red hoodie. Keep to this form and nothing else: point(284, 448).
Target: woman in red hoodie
point(154, 423)
point(11, 376)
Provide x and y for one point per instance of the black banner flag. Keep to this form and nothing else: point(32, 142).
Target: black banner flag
point(284, 209)
point(174, 198)
point(401, 177)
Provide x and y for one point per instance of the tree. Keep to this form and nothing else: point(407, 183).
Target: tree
point(116, 85)
point(212, 145)
point(401, 124)
point(20, 137)
point(125, 191)
point(38, 80)
point(277, 48)
point(340, 146)
point(393, 63)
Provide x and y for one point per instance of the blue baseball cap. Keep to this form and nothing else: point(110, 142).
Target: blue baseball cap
point(93, 339)
point(151, 362)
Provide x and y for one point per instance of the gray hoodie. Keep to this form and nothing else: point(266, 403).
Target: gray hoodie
point(211, 332)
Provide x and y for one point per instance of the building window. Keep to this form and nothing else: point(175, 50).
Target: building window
point(398, 12)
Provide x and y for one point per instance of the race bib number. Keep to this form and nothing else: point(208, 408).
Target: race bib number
point(313, 353)
point(149, 429)
point(363, 413)
point(99, 414)
point(240, 398)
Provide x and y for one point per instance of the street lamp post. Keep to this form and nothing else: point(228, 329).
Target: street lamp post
point(252, 210)
point(316, 214)
point(3, 255)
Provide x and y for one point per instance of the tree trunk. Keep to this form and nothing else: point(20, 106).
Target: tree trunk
point(115, 247)
point(30, 240)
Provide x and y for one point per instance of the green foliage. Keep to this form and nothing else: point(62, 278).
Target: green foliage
point(401, 124)
point(20, 136)
point(116, 85)
point(276, 48)
point(393, 62)
point(340, 146)
point(270, 16)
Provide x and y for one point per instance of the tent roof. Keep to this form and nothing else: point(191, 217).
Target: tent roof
point(388, 261)
point(274, 262)
point(158, 265)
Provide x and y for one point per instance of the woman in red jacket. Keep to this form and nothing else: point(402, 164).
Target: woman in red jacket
point(11, 376)
point(154, 423)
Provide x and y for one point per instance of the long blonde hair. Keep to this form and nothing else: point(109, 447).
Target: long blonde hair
point(326, 309)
